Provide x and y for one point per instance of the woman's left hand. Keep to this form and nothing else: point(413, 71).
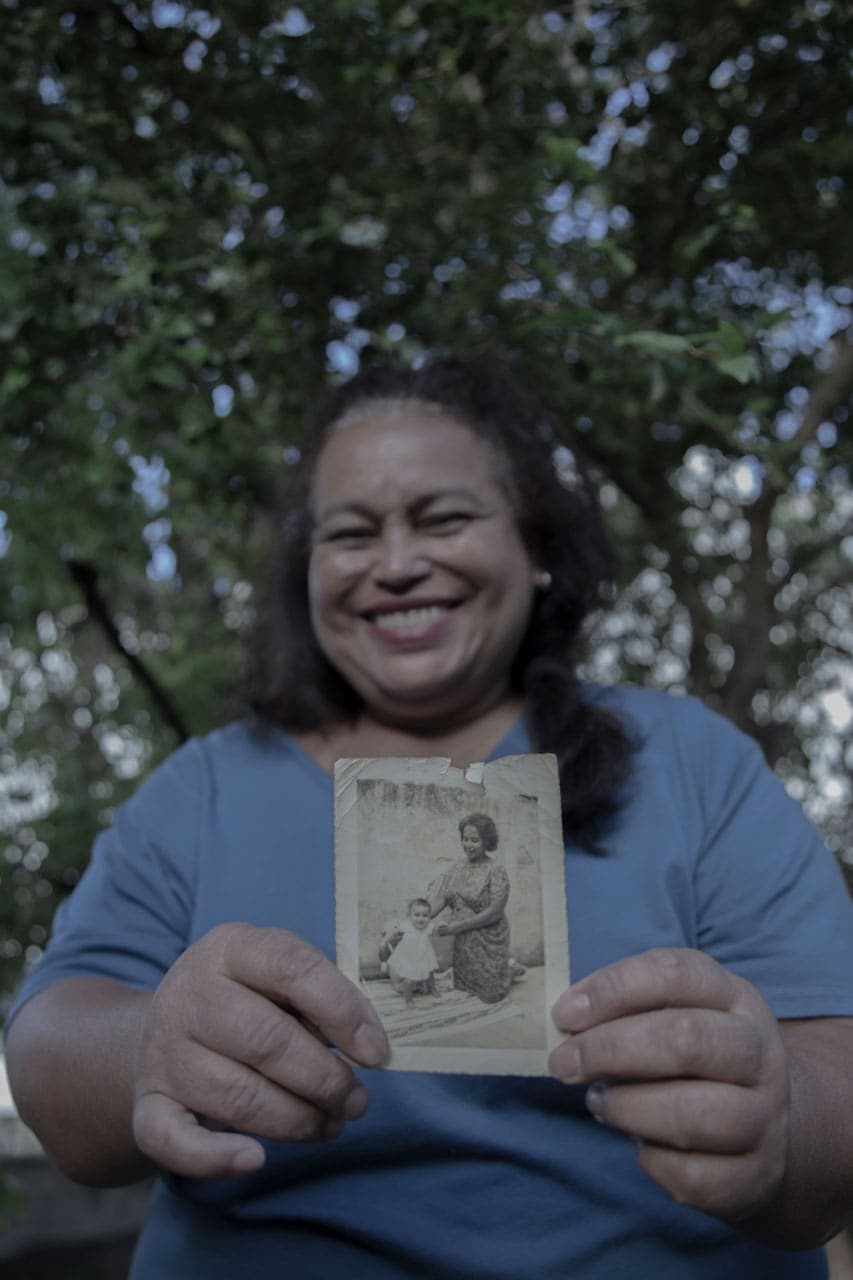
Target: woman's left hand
point(685, 1056)
point(444, 930)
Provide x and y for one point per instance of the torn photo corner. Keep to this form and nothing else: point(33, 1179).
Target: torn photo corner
point(450, 907)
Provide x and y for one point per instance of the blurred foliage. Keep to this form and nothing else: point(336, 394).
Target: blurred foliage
point(206, 216)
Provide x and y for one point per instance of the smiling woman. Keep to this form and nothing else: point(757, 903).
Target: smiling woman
point(476, 889)
point(435, 568)
point(432, 555)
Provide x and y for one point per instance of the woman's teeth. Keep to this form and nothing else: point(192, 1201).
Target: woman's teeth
point(404, 618)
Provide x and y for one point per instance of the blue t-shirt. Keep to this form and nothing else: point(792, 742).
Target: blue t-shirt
point(466, 1176)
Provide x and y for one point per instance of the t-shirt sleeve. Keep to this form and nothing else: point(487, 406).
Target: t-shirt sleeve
point(130, 916)
point(771, 902)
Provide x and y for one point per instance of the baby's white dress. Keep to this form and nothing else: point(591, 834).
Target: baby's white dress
point(414, 956)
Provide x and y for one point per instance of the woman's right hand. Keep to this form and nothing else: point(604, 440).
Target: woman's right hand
point(238, 1034)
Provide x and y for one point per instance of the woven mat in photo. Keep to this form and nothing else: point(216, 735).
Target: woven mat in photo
point(433, 1017)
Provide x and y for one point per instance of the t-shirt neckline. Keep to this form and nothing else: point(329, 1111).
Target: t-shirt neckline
point(515, 741)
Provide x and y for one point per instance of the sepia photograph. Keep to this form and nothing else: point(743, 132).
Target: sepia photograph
point(450, 907)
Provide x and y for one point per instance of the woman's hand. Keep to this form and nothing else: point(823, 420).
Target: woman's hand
point(687, 1058)
point(237, 1035)
point(445, 929)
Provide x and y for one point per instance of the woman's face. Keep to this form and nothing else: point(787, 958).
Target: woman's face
point(420, 586)
point(472, 843)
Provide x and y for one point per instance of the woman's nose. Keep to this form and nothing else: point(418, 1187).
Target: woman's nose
point(400, 558)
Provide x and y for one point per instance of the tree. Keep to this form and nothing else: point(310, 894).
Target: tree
point(207, 217)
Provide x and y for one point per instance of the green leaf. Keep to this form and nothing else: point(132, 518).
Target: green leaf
point(13, 322)
point(14, 381)
point(769, 319)
point(657, 390)
point(622, 261)
point(730, 338)
point(561, 318)
point(691, 247)
point(655, 343)
point(155, 227)
point(121, 191)
point(178, 327)
point(169, 376)
point(742, 368)
point(563, 152)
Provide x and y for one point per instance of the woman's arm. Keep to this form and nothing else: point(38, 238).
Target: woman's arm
point(488, 916)
point(71, 1055)
point(816, 1197)
point(238, 1033)
point(499, 887)
point(745, 1118)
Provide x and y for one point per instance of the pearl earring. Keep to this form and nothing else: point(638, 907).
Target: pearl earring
point(543, 580)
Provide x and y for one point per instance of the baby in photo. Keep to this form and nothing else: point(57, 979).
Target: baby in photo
point(407, 953)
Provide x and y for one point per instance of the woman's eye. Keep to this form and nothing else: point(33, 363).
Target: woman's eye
point(354, 535)
point(446, 521)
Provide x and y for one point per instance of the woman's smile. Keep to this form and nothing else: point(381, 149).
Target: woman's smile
point(410, 624)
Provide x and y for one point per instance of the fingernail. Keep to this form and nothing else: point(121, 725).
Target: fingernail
point(571, 1010)
point(356, 1103)
point(370, 1045)
point(594, 1099)
point(248, 1159)
point(568, 1062)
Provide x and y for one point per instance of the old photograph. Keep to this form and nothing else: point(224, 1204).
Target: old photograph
point(450, 907)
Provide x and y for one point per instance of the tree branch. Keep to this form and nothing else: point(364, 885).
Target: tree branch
point(85, 578)
point(751, 638)
point(671, 539)
point(832, 390)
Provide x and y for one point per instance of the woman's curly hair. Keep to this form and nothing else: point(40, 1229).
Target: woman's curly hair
point(485, 828)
